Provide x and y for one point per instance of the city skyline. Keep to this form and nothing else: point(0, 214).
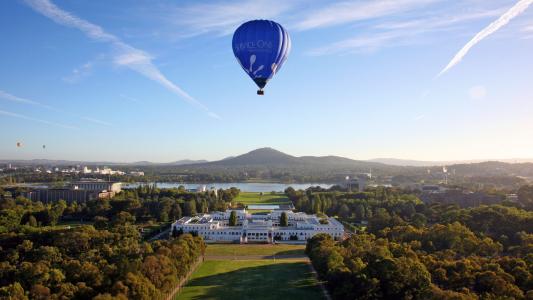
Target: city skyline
point(157, 81)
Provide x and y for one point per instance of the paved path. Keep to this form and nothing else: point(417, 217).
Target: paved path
point(184, 280)
point(321, 283)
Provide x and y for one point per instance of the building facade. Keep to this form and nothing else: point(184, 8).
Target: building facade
point(259, 228)
point(54, 195)
point(97, 185)
point(80, 191)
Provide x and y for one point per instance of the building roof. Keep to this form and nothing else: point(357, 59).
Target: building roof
point(263, 206)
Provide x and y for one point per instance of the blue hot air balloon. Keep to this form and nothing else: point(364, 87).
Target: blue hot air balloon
point(261, 47)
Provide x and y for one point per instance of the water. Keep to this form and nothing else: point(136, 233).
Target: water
point(243, 186)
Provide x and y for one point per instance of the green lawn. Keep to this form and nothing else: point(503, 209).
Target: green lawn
point(252, 279)
point(254, 249)
point(256, 198)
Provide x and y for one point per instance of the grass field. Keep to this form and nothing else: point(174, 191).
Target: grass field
point(252, 279)
point(256, 198)
point(251, 249)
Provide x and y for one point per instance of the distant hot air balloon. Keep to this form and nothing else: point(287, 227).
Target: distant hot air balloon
point(261, 47)
point(44, 146)
point(19, 144)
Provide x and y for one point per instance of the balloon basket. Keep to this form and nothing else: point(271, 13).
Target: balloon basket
point(260, 92)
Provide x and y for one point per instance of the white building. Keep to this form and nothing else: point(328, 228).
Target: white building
point(97, 185)
point(86, 170)
point(250, 228)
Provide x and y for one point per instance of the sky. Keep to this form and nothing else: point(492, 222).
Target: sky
point(157, 80)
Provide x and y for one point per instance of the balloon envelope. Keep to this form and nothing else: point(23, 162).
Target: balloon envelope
point(261, 47)
point(19, 144)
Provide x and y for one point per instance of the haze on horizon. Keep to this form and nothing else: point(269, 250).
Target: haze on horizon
point(157, 81)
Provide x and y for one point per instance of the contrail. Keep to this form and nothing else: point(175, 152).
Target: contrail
point(19, 116)
point(13, 98)
point(97, 121)
point(513, 12)
point(126, 55)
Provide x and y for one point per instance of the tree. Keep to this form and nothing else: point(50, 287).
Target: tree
point(203, 206)
point(123, 218)
point(176, 232)
point(233, 218)
point(100, 222)
point(283, 220)
point(317, 204)
point(32, 221)
point(359, 212)
point(13, 291)
point(344, 211)
point(190, 208)
point(525, 196)
point(175, 212)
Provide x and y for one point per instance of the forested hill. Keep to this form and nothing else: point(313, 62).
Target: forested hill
point(268, 157)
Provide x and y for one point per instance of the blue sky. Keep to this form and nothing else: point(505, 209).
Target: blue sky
point(157, 80)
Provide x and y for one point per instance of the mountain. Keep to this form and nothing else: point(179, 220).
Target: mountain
point(268, 158)
point(186, 162)
point(423, 163)
point(409, 162)
point(268, 162)
point(261, 156)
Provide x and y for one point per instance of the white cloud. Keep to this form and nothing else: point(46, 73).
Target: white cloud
point(441, 20)
point(477, 92)
point(224, 18)
point(78, 73)
point(358, 44)
point(352, 11)
point(528, 30)
point(82, 71)
point(130, 98)
point(403, 32)
point(513, 12)
point(24, 117)
point(125, 55)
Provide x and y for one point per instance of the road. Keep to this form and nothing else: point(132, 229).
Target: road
point(162, 235)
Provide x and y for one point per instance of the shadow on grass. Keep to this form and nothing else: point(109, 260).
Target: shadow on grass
point(291, 252)
point(291, 280)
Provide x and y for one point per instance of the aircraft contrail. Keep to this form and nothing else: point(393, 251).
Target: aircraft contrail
point(126, 55)
point(24, 117)
point(513, 12)
point(13, 98)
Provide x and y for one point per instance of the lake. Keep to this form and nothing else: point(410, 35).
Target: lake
point(243, 186)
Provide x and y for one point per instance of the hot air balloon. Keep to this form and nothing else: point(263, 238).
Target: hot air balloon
point(19, 144)
point(44, 146)
point(261, 47)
